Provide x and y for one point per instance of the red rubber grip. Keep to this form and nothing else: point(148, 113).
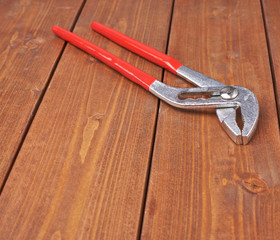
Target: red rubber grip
point(141, 49)
point(126, 69)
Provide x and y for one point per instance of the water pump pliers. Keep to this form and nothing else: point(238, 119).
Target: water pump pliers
point(210, 93)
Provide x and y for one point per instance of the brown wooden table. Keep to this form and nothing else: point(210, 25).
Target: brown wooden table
point(87, 154)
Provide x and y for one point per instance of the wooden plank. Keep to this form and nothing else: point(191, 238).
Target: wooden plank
point(81, 171)
point(28, 53)
point(272, 20)
point(202, 185)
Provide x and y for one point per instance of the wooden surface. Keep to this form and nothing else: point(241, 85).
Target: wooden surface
point(103, 159)
point(272, 23)
point(81, 172)
point(28, 53)
point(201, 187)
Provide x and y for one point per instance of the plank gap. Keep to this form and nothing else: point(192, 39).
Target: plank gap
point(147, 180)
point(40, 99)
point(270, 60)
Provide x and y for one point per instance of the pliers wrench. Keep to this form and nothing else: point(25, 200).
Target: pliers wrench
point(209, 94)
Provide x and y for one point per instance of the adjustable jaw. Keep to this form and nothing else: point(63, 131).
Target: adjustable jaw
point(225, 99)
point(227, 116)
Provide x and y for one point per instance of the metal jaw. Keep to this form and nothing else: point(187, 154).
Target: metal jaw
point(227, 116)
point(225, 99)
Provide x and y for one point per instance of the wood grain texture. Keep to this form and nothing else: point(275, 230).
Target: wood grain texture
point(202, 185)
point(81, 171)
point(28, 53)
point(272, 20)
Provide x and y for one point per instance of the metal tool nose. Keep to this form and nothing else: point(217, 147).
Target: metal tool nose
point(249, 107)
point(249, 113)
point(227, 118)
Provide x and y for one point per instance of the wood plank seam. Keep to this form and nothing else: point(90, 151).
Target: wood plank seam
point(147, 180)
point(40, 99)
point(271, 62)
point(145, 193)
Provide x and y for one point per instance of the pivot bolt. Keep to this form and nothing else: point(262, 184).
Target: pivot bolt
point(229, 92)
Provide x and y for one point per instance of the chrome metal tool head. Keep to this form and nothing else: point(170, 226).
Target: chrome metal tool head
point(227, 116)
point(227, 100)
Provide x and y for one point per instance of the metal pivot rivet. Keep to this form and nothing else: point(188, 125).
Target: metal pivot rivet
point(229, 92)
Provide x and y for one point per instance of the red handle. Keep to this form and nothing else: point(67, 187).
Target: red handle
point(141, 49)
point(126, 69)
